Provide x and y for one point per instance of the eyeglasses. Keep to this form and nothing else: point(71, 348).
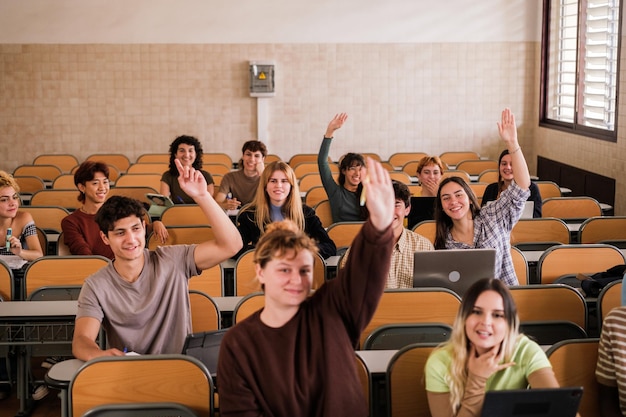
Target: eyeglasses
point(355, 168)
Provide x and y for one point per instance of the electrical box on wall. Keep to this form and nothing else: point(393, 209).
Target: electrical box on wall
point(262, 79)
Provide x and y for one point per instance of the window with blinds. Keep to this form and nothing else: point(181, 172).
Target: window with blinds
point(580, 55)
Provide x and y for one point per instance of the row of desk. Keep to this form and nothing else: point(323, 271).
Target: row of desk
point(27, 323)
point(44, 323)
point(24, 324)
point(377, 362)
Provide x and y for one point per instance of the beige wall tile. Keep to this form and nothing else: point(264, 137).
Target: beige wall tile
point(135, 99)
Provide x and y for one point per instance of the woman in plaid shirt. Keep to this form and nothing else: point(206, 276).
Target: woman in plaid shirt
point(462, 224)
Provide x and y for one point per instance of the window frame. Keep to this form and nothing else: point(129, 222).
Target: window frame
point(574, 127)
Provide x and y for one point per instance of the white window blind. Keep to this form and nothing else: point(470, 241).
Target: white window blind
point(582, 62)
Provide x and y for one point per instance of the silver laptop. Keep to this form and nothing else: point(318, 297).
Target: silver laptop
point(527, 212)
point(529, 208)
point(545, 402)
point(205, 346)
point(455, 269)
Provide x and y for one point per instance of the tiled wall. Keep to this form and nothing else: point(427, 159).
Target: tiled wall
point(85, 99)
point(134, 99)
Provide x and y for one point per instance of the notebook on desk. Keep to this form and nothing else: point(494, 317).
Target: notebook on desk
point(159, 204)
point(544, 402)
point(455, 269)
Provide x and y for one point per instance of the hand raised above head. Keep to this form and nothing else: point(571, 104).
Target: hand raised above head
point(507, 127)
point(379, 195)
point(335, 124)
point(191, 181)
point(508, 132)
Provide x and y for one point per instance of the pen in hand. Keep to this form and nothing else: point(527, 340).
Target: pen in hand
point(9, 234)
point(230, 204)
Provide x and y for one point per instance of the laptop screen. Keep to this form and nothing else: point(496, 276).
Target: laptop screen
point(529, 208)
point(527, 212)
point(544, 402)
point(455, 269)
point(205, 346)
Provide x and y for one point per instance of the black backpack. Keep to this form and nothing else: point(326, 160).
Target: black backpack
point(594, 284)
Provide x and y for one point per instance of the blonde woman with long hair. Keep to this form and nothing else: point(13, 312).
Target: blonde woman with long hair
point(278, 198)
point(22, 241)
point(485, 353)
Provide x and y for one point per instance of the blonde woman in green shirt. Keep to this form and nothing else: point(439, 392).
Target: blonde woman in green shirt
point(485, 352)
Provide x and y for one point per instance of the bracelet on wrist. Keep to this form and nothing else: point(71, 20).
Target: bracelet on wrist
point(518, 148)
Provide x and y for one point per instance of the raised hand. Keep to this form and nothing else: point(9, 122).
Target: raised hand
point(508, 132)
point(335, 124)
point(191, 181)
point(379, 195)
point(507, 128)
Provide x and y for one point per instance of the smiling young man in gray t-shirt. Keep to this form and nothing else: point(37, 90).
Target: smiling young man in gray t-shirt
point(141, 299)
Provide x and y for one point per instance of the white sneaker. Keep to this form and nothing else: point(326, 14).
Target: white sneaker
point(40, 392)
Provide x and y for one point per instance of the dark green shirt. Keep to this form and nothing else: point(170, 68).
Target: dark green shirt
point(344, 204)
